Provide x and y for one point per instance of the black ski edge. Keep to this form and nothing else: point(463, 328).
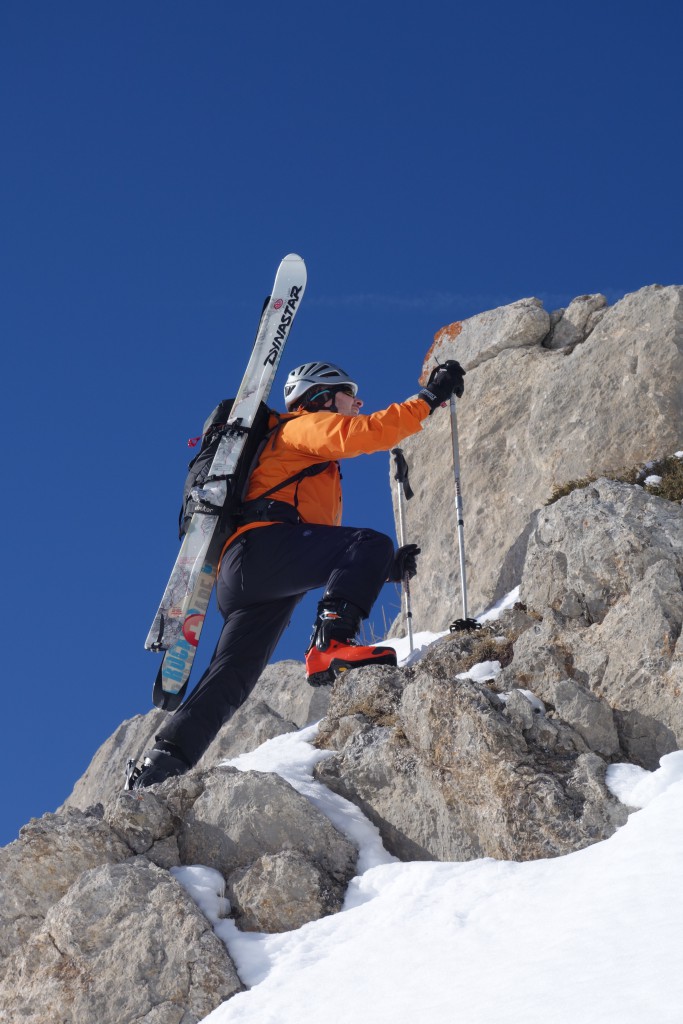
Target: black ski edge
point(164, 700)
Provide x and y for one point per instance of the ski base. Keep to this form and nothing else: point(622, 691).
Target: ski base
point(165, 700)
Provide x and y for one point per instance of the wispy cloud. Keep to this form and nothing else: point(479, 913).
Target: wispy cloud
point(426, 300)
point(459, 304)
point(455, 301)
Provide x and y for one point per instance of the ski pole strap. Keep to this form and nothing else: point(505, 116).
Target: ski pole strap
point(402, 471)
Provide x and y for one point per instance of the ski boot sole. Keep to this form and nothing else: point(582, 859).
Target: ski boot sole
point(325, 678)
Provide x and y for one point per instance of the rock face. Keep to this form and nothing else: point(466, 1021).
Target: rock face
point(572, 325)
point(534, 417)
point(449, 771)
point(449, 768)
point(124, 944)
point(603, 574)
point(282, 891)
point(523, 324)
point(228, 819)
point(46, 860)
point(93, 927)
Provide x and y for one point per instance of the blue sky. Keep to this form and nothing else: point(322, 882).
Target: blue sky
point(159, 160)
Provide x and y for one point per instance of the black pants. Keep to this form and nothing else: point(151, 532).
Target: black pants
point(263, 576)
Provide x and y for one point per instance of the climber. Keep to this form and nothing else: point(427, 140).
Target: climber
point(294, 543)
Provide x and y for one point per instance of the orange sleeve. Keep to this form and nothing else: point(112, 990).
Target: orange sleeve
point(333, 436)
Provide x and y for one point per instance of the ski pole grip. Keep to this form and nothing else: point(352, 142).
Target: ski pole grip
point(402, 471)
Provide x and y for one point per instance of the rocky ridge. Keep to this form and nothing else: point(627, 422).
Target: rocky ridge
point(510, 763)
point(550, 398)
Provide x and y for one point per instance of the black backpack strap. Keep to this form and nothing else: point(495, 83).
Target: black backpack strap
point(262, 509)
point(301, 475)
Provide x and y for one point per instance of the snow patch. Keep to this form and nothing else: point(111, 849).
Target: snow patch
point(600, 931)
point(496, 610)
point(536, 702)
point(637, 787)
point(421, 642)
point(481, 672)
point(206, 886)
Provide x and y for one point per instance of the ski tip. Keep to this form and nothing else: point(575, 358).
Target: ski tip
point(294, 257)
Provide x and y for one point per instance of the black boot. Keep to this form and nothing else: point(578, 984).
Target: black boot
point(157, 766)
point(336, 620)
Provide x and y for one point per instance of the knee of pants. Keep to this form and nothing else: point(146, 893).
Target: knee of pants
point(382, 545)
point(364, 568)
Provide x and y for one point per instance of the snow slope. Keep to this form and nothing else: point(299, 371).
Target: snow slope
point(596, 936)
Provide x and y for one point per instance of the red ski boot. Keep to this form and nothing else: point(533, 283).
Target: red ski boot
point(334, 648)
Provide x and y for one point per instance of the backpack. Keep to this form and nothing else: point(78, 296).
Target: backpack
point(258, 435)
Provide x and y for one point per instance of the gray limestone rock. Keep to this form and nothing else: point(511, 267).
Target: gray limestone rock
point(227, 819)
point(282, 891)
point(146, 825)
point(283, 687)
point(449, 770)
point(604, 569)
point(590, 549)
point(124, 944)
point(249, 727)
point(486, 335)
point(40, 866)
point(592, 718)
point(593, 320)
point(576, 321)
point(644, 738)
point(105, 775)
point(533, 418)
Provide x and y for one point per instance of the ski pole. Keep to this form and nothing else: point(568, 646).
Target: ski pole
point(465, 622)
point(404, 492)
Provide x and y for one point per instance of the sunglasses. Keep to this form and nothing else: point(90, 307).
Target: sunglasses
point(345, 390)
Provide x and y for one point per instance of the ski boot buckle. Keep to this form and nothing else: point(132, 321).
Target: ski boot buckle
point(133, 773)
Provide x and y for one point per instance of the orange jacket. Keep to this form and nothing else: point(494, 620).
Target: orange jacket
point(310, 437)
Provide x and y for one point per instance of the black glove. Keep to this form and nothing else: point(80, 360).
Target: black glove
point(405, 562)
point(446, 379)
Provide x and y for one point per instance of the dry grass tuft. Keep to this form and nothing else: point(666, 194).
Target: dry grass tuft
point(669, 469)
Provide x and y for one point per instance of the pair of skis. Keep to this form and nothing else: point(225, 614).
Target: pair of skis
point(177, 625)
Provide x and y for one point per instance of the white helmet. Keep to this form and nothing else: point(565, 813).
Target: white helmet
point(325, 376)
